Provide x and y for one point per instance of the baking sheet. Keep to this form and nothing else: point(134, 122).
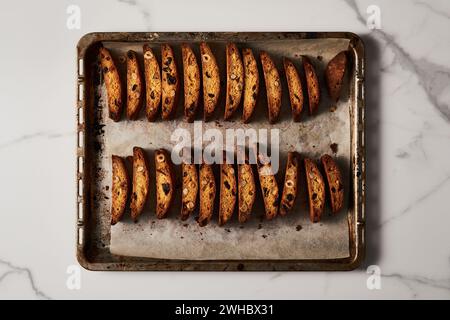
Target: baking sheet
point(291, 237)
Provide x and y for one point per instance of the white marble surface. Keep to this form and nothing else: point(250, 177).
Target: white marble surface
point(408, 135)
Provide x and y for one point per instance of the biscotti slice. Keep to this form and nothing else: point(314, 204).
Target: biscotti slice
point(134, 86)
point(334, 75)
point(211, 81)
point(112, 83)
point(316, 190)
point(207, 194)
point(141, 180)
point(228, 190)
point(312, 85)
point(269, 186)
point(290, 186)
point(190, 189)
point(152, 74)
point(247, 190)
point(251, 84)
point(169, 82)
point(191, 75)
point(164, 183)
point(273, 86)
point(235, 80)
point(334, 181)
point(119, 189)
point(295, 89)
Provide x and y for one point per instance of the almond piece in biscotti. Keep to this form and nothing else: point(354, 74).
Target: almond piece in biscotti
point(235, 80)
point(228, 191)
point(211, 81)
point(273, 86)
point(295, 89)
point(170, 83)
point(165, 183)
point(290, 186)
point(334, 182)
point(251, 84)
point(112, 83)
point(189, 189)
point(316, 190)
point(152, 75)
point(312, 85)
point(207, 194)
point(191, 76)
point(334, 75)
point(134, 86)
point(141, 182)
point(119, 190)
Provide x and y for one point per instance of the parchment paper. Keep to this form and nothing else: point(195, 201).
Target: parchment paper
point(290, 237)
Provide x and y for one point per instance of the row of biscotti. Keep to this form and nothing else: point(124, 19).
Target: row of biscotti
point(162, 85)
point(201, 185)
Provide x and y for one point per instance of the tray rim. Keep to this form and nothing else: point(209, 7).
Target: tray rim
point(356, 220)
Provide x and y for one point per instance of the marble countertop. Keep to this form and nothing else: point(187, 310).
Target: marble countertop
point(408, 154)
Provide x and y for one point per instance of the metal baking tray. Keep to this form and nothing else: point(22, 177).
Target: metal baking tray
point(93, 228)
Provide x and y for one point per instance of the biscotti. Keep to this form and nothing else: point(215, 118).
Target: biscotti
point(251, 84)
point(120, 184)
point(164, 183)
point(211, 81)
point(295, 89)
point(189, 189)
point(152, 74)
point(334, 182)
point(235, 80)
point(134, 86)
point(191, 76)
point(141, 181)
point(207, 194)
point(316, 190)
point(170, 83)
point(112, 83)
point(273, 86)
point(334, 75)
point(312, 85)
point(228, 192)
point(269, 186)
point(290, 186)
point(246, 192)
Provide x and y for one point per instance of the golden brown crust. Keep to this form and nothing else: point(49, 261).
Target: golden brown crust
point(290, 187)
point(312, 85)
point(247, 191)
point(227, 193)
point(189, 189)
point(316, 190)
point(170, 83)
point(141, 181)
point(334, 181)
point(112, 83)
point(251, 86)
point(191, 73)
point(269, 187)
point(164, 183)
point(273, 86)
point(235, 80)
point(134, 86)
point(295, 89)
point(211, 81)
point(152, 74)
point(119, 190)
point(207, 194)
point(334, 75)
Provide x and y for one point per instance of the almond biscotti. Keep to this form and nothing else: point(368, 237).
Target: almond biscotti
point(334, 75)
point(152, 75)
point(211, 81)
point(269, 186)
point(120, 185)
point(228, 190)
point(334, 182)
point(165, 183)
point(112, 83)
point(316, 190)
point(295, 89)
point(207, 194)
point(191, 76)
point(290, 187)
point(247, 190)
point(170, 83)
point(312, 85)
point(134, 86)
point(189, 189)
point(235, 80)
point(273, 86)
point(251, 84)
point(141, 181)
